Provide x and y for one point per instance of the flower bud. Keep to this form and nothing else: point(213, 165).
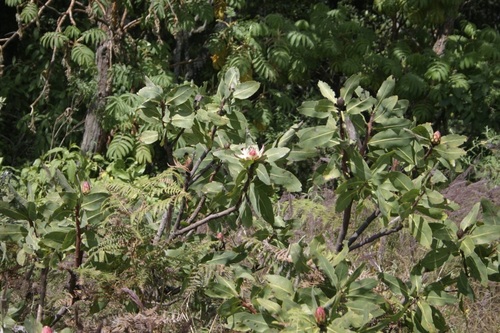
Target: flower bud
point(340, 102)
point(85, 187)
point(46, 329)
point(320, 316)
point(220, 236)
point(436, 138)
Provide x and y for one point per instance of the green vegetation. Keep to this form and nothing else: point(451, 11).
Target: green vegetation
point(232, 166)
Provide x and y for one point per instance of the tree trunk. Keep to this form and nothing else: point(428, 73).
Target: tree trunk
point(94, 138)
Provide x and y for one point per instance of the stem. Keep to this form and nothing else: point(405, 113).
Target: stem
point(363, 227)
point(43, 293)
point(376, 236)
point(205, 220)
point(345, 225)
point(219, 214)
point(165, 223)
point(78, 241)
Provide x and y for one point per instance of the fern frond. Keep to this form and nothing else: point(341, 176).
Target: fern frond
point(120, 147)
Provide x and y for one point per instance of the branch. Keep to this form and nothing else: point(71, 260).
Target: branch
point(219, 214)
point(345, 225)
point(363, 227)
point(164, 223)
point(206, 220)
point(376, 236)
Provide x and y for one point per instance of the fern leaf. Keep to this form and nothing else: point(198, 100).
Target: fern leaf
point(93, 36)
point(29, 12)
point(120, 147)
point(53, 39)
point(82, 55)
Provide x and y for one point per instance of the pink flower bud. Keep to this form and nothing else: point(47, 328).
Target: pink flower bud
point(320, 316)
point(436, 138)
point(85, 186)
point(46, 329)
point(220, 236)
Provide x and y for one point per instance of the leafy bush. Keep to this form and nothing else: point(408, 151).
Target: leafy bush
point(205, 231)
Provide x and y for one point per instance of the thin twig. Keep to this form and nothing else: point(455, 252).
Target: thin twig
point(206, 220)
point(164, 223)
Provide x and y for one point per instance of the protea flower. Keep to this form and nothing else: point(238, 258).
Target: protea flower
point(251, 153)
point(436, 138)
point(85, 186)
point(320, 316)
point(46, 329)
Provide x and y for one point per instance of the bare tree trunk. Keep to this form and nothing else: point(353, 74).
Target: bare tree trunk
point(94, 137)
point(446, 30)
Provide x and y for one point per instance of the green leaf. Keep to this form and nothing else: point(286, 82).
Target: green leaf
point(256, 322)
point(347, 192)
point(389, 139)
point(246, 89)
point(93, 201)
point(285, 178)
point(328, 269)
point(12, 232)
point(223, 258)
point(11, 212)
point(212, 188)
point(427, 321)
point(314, 136)
point(359, 167)
point(436, 258)
point(182, 121)
point(421, 230)
point(53, 39)
point(477, 268)
point(349, 86)
point(357, 106)
point(29, 12)
point(464, 286)
point(148, 137)
point(301, 154)
point(179, 95)
point(151, 91)
point(396, 285)
point(269, 306)
point(55, 239)
point(261, 201)
point(386, 88)
point(327, 92)
point(82, 55)
point(485, 234)
point(222, 288)
point(436, 296)
point(281, 286)
point(232, 77)
point(263, 175)
point(274, 154)
point(400, 181)
point(93, 36)
point(448, 148)
point(471, 217)
point(318, 109)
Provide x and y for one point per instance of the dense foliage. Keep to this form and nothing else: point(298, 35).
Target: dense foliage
point(151, 151)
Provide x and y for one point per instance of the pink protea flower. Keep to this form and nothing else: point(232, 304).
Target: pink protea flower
point(85, 186)
point(320, 316)
point(46, 329)
point(251, 153)
point(436, 138)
